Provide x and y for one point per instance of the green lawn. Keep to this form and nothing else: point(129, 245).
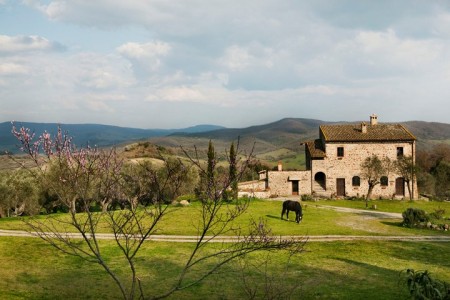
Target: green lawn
point(31, 269)
point(338, 270)
point(316, 220)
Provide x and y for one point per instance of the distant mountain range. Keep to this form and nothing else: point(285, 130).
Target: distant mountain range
point(92, 134)
point(286, 133)
point(290, 132)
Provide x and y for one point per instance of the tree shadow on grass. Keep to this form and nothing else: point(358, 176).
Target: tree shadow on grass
point(391, 223)
point(433, 254)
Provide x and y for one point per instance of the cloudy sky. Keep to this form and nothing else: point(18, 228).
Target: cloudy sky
point(173, 64)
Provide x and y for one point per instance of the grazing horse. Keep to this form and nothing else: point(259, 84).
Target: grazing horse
point(294, 206)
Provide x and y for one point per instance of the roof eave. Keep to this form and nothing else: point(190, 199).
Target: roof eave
point(371, 141)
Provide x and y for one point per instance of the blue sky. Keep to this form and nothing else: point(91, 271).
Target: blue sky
point(173, 64)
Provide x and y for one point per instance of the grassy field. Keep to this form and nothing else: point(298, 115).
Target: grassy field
point(316, 221)
point(31, 269)
point(338, 270)
point(291, 160)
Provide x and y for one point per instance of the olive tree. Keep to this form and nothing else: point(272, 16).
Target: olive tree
point(372, 169)
point(19, 194)
point(406, 168)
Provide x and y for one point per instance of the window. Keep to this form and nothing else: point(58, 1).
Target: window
point(356, 181)
point(399, 151)
point(384, 181)
point(340, 151)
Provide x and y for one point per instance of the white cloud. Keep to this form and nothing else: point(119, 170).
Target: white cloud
point(97, 71)
point(178, 94)
point(389, 49)
point(441, 25)
point(101, 79)
point(14, 44)
point(144, 51)
point(99, 106)
point(12, 69)
point(236, 58)
point(102, 102)
point(248, 61)
point(146, 57)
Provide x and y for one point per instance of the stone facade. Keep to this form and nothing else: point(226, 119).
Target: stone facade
point(349, 166)
point(286, 183)
point(334, 161)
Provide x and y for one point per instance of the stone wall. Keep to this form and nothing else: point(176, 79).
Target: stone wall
point(255, 185)
point(280, 182)
point(254, 188)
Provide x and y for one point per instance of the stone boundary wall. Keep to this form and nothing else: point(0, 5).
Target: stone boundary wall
point(254, 185)
point(280, 182)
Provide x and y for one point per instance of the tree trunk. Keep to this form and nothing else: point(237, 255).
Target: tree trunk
point(72, 206)
point(369, 194)
point(409, 189)
point(104, 205)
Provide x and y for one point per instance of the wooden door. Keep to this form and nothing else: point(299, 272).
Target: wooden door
point(340, 186)
point(295, 187)
point(400, 186)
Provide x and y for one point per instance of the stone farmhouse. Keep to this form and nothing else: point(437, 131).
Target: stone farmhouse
point(333, 164)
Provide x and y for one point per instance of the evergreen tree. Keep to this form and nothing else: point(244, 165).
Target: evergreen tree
point(233, 171)
point(210, 171)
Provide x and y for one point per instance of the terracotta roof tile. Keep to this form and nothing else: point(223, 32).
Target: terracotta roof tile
point(315, 148)
point(375, 133)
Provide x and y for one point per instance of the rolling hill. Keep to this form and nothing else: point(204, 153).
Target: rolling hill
point(285, 135)
point(280, 141)
point(289, 132)
point(92, 134)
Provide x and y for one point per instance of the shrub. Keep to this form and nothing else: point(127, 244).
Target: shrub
point(307, 197)
point(413, 217)
point(437, 215)
point(422, 286)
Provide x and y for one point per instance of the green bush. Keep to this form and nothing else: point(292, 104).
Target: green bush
point(307, 198)
point(422, 286)
point(413, 217)
point(437, 215)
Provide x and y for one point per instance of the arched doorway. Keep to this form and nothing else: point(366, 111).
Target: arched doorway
point(400, 186)
point(320, 179)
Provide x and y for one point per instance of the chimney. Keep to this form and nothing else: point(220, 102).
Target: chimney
point(363, 127)
point(373, 120)
point(280, 166)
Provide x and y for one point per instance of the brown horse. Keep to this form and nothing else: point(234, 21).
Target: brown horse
point(294, 206)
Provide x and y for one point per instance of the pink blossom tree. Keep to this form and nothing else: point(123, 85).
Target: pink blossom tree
point(87, 176)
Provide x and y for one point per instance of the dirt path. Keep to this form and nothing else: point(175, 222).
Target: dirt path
point(230, 239)
point(371, 213)
point(320, 238)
